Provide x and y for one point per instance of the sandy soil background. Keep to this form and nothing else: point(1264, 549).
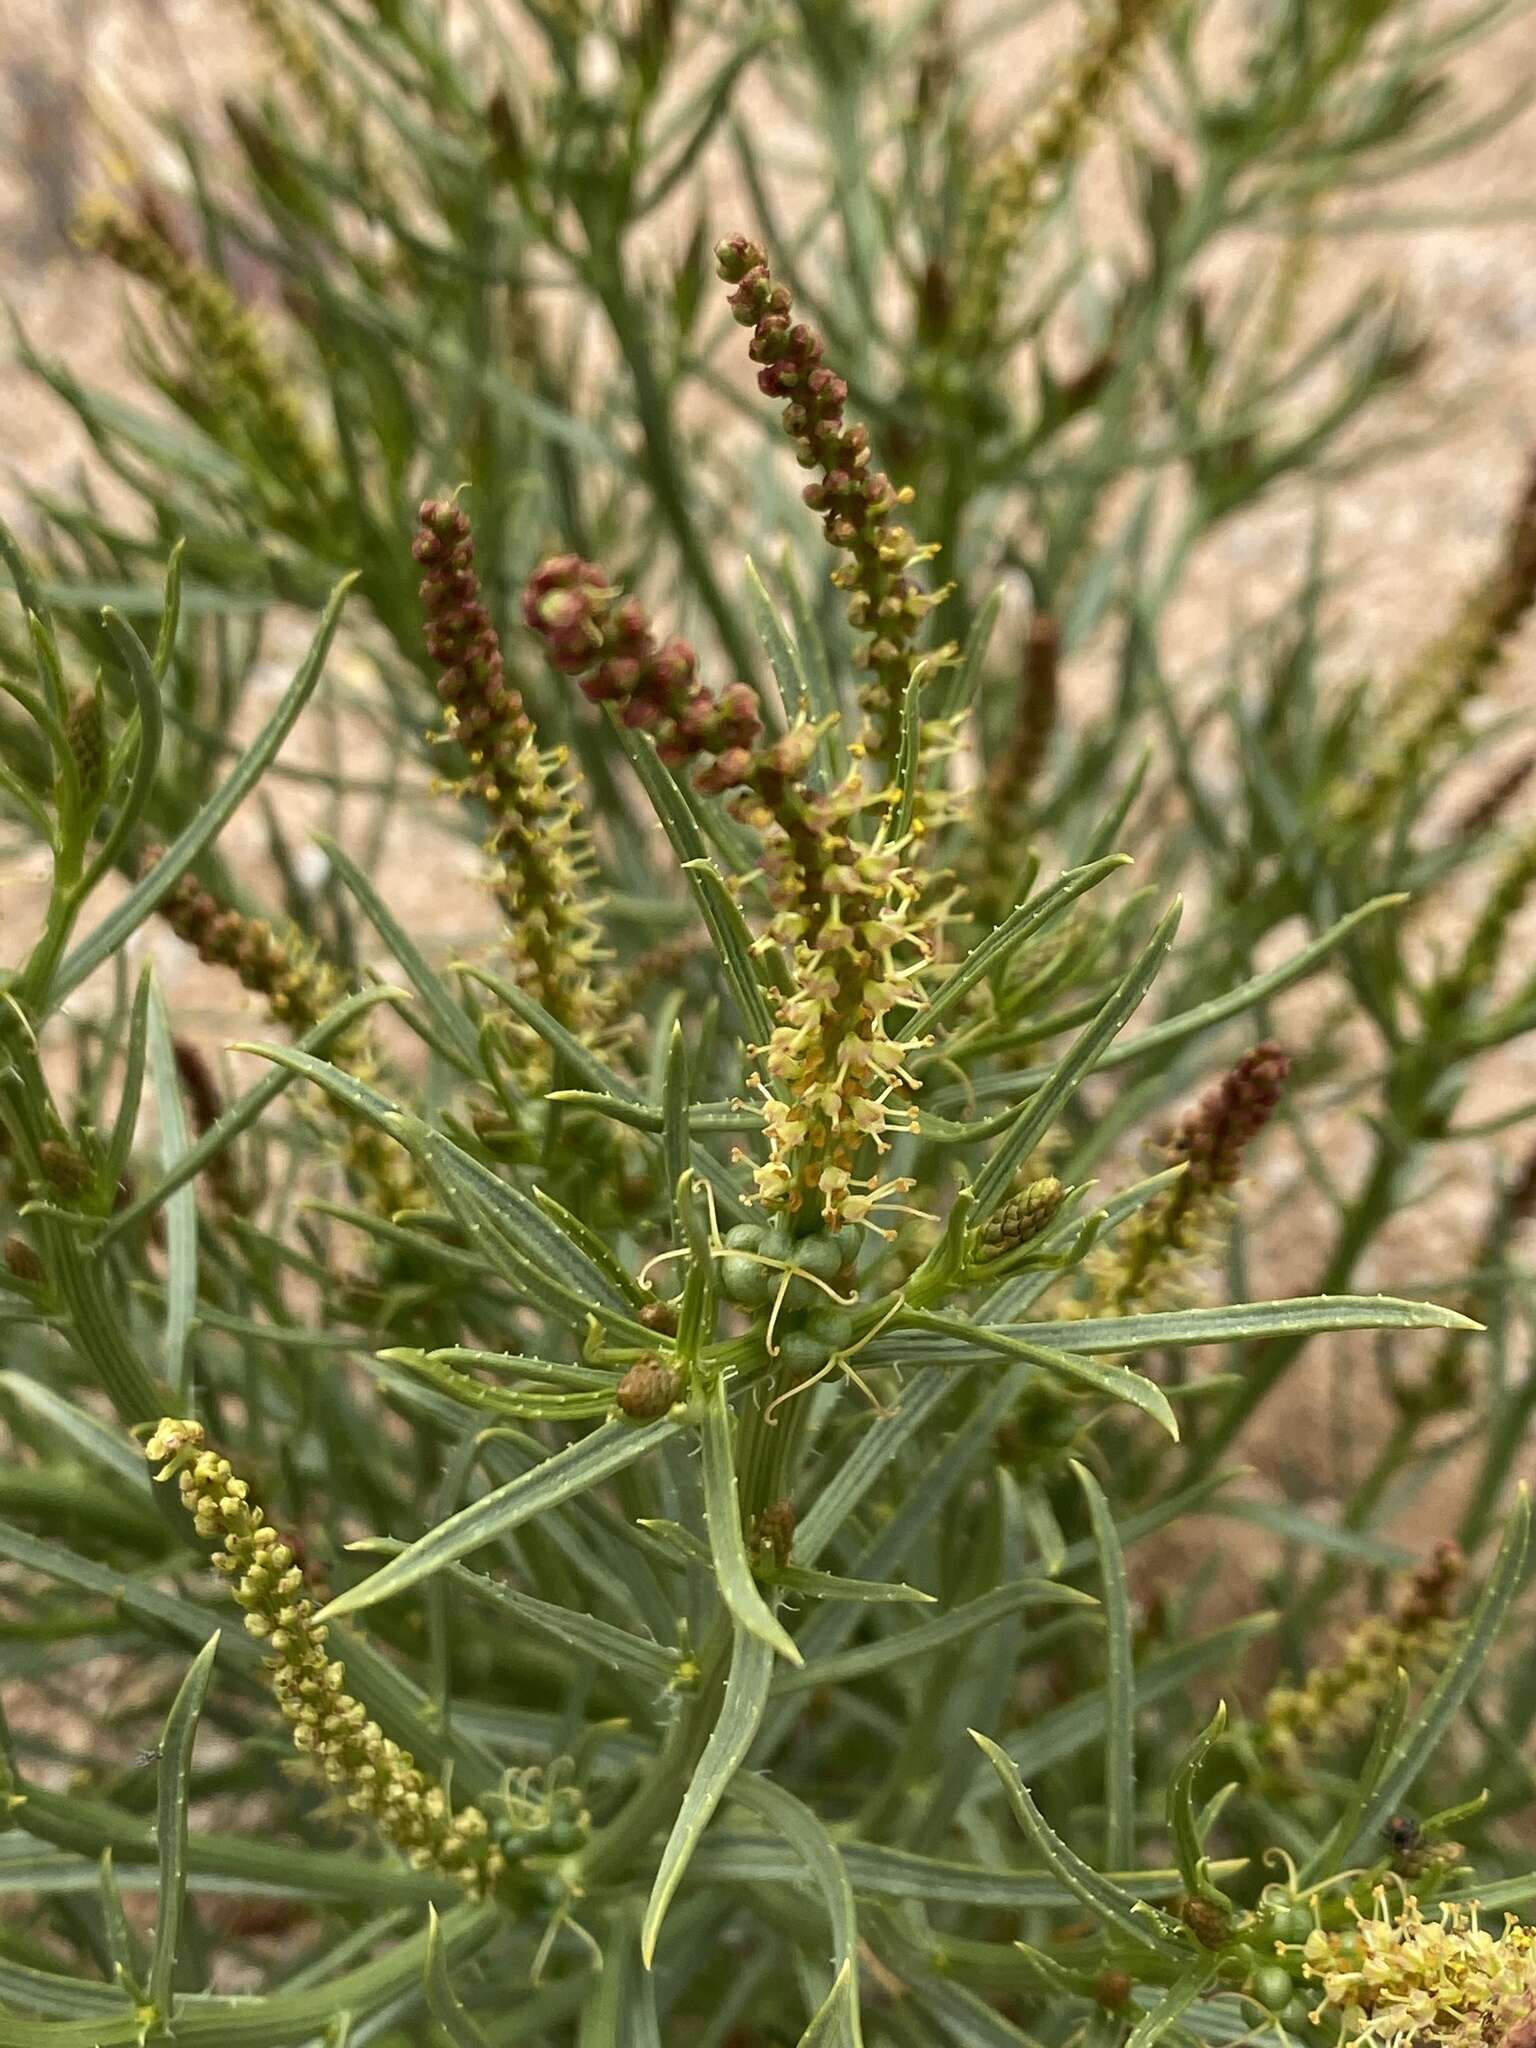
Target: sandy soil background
point(1409, 531)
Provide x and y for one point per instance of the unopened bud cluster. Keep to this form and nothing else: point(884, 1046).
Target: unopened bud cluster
point(1002, 816)
point(1337, 1702)
point(300, 989)
point(1212, 1138)
point(85, 734)
point(375, 1776)
point(1422, 717)
point(246, 380)
point(648, 1391)
point(1154, 1265)
point(542, 856)
point(773, 1533)
point(1023, 182)
point(1020, 1220)
point(886, 607)
point(605, 642)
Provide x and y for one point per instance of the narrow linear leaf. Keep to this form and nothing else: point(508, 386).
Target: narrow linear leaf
point(145, 683)
point(1183, 1829)
point(441, 2002)
point(573, 1056)
point(741, 1713)
point(573, 1471)
point(1102, 1897)
point(722, 1515)
point(181, 1207)
point(837, 2018)
point(994, 950)
point(1040, 1110)
point(449, 1017)
point(1444, 1699)
point(573, 1629)
point(83, 1431)
point(125, 1125)
point(783, 655)
point(1115, 1382)
point(1328, 1856)
point(674, 1135)
point(937, 1634)
point(152, 889)
point(795, 1578)
point(878, 1872)
point(1078, 1724)
point(1306, 1316)
point(241, 1114)
point(1119, 1680)
point(1173, 2004)
point(965, 679)
point(171, 1822)
point(871, 1457)
point(718, 908)
point(1258, 989)
point(170, 610)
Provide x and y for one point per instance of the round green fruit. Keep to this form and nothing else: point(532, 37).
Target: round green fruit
point(1272, 1987)
point(745, 1282)
point(831, 1326)
point(802, 1354)
point(1291, 1924)
point(821, 1256)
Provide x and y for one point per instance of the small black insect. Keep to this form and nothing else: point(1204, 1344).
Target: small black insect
point(1403, 1834)
point(146, 1757)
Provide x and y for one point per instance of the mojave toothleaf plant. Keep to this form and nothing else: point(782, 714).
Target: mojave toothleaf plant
point(660, 1473)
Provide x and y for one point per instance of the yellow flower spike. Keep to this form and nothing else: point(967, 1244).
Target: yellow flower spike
point(373, 1774)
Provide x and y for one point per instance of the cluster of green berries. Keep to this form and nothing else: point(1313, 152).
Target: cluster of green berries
point(554, 1823)
point(767, 1267)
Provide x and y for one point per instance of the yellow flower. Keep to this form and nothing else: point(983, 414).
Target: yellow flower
point(1397, 1978)
point(371, 1773)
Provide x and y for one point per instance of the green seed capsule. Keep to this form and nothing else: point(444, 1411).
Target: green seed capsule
point(798, 1294)
point(745, 1282)
point(801, 1354)
point(746, 1237)
point(850, 1242)
point(1291, 1924)
point(778, 1241)
point(830, 1326)
point(821, 1256)
point(1272, 1987)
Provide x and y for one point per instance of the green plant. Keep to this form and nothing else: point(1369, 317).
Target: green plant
point(690, 1408)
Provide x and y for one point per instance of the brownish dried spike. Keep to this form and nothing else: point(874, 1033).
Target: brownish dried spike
point(1212, 1137)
